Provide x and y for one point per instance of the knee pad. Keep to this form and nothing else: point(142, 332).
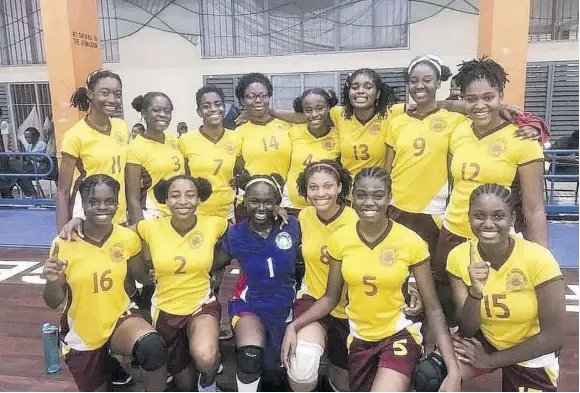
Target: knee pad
point(429, 373)
point(249, 359)
point(303, 367)
point(150, 352)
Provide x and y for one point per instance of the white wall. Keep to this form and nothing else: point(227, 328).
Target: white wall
point(155, 60)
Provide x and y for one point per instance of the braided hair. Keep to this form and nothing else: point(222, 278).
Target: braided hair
point(333, 168)
point(89, 183)
point(386, 95)
point(492, 189)
point(482, 69)
point(373, 173)
point(80, 98)
point(203, 186)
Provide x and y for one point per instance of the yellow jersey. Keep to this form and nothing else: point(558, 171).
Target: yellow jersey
point(374, 275)
point(316, 236)
point(492, 159)
point(419, 170)
point(509, 309)
point(215, 162)
point(266, 148)
point(158, 161)
point(98, 153)
point(95, 287)
point(363, 146)
point(181, 263)
point(306, 148)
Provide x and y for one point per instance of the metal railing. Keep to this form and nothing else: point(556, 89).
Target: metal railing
point(563, 168)
point(35, 174)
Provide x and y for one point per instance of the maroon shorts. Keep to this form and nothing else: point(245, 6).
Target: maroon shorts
point(422, 224)
point(516, 378)
point(447, 242)
point(399, 352)
point(91, 369)
point(173, 329)
point(337, 331)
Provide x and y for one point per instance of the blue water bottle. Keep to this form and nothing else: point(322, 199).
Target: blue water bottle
point(50, 341)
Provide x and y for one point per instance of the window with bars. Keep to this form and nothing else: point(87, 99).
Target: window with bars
point(289, 86)
point(280, 27)
point(21, 38)
point(553, 20)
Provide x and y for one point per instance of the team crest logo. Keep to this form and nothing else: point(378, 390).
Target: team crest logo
point(117, 253)
point(389, 255)
point(283, 241)
point(120, 139)
point(375, 128)
point(328, 144)
point(438, 125)
point(498, 147)
point(230, 148)
point(196, 240)
point(515, 280)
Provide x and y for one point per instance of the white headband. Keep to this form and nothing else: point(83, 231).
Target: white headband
point(267, 181)
point(431, 59)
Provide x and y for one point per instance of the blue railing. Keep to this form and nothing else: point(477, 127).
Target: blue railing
point(563, 168)
point(33, 175)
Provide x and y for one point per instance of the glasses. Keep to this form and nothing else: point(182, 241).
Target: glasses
point(253, 97)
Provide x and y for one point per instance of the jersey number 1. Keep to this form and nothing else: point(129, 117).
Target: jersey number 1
point(116, 167)
point(270, 267)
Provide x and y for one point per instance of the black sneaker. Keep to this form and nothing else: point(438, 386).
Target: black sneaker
point(120, 376)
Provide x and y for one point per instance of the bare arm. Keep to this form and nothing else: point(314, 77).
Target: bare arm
point(186, 163)
point(220, 258)
point(53, 273)
point(389, 160)
point(435, 316)
point(133, 192)
point(468, 308)
point(65, 179)
point(533, 202)
point(139, 270)
point(239, 165)
point(328, 301)
point(288, 115)
point(551, 336)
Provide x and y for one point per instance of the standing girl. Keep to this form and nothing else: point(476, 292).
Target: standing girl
point(152, 156)
point(97, 144)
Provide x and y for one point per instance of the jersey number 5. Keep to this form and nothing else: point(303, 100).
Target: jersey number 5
point(104, 283)
point(368, 281)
